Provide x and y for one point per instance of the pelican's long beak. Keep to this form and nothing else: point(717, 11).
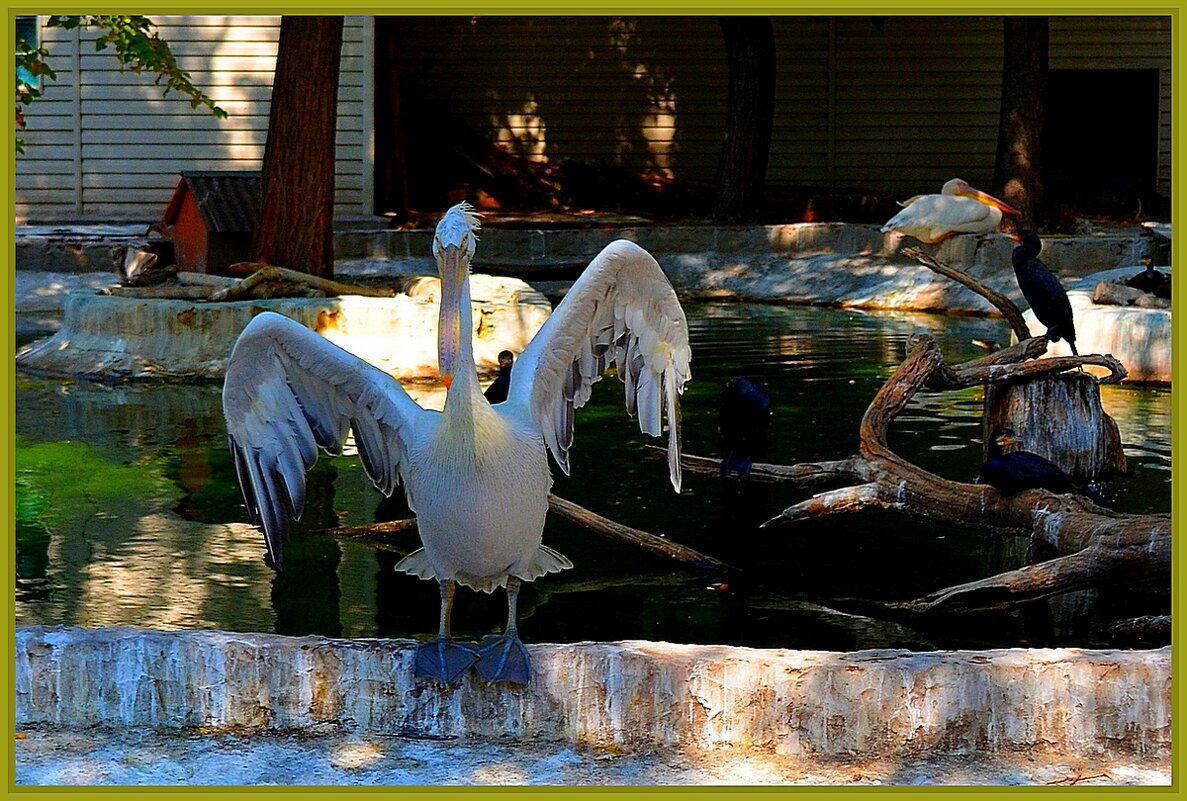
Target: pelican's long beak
point(989, 200)
point(453, 266)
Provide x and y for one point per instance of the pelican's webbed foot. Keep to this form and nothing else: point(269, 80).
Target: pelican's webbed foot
point(444, 660)
point(502, 657)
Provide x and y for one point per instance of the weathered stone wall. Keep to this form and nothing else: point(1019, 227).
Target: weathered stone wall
point(627, 694)
point(111, 337)
point(818, 263)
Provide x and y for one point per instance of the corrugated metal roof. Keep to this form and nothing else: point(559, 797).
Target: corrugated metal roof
point(229, 202)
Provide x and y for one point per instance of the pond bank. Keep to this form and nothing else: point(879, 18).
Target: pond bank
point(811, 263)
point(623, 698)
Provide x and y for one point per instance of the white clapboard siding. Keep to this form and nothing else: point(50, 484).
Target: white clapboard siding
point(892, 104)
point(106, 144)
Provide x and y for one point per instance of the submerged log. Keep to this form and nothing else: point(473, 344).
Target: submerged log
point(573, 512)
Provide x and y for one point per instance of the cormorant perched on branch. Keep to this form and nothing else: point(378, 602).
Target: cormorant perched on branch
point(744, 414)
point(1043, 291)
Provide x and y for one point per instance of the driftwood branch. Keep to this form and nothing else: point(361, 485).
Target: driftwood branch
point(804, 474)
point(381, 532)
point(268, 281)
point(990, 368)
point(632, 536)
point(271, 274)
point(1097, 545)
point(1000, 301)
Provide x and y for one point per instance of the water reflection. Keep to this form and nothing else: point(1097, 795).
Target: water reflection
point(127, 511)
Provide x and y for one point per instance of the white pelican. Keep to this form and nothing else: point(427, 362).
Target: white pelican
point(958, 209)
point(476, 476)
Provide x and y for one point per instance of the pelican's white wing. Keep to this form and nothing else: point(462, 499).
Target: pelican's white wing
point(930, 218)
point(288, 390)
point(621, 311)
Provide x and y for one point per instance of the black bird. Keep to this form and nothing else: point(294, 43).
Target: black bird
point(744, 414)
point(497, 391)
point(1021, 470)
point(1043, 291)
point(1153, 281)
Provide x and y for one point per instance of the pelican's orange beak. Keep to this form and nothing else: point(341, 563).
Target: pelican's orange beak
point(448, 379)
point(989, 200)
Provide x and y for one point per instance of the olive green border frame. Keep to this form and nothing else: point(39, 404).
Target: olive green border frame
point(1173, 8)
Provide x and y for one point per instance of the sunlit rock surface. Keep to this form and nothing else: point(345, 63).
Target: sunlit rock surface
point(1139, 337)
point(629, 694)
point(115, 337)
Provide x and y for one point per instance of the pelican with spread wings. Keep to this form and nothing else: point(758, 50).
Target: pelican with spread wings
point(476, 475)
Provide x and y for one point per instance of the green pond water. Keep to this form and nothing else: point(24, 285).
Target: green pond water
point(128, 514)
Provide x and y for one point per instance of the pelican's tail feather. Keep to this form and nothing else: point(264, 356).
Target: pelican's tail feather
point(547, 561)
point(544, 561)
point(417, 564)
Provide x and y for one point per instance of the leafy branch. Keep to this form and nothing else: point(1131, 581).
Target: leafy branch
point(137, 47)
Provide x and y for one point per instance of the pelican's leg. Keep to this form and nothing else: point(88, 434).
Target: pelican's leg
point(503, 657)
point(441, 659)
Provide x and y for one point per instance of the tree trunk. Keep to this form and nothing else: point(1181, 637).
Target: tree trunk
point(391, 190)
point(1059, 417)
point(1016, 173)
point(741, 175)
point(296, 225)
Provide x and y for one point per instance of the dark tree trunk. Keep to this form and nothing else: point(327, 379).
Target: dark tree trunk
point(750, 48)
point(391, 188)
point(1016, 173)
point(296, 226)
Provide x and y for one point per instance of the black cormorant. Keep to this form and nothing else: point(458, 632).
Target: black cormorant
point(497, 391)
point(1043, 291)
point(1021, 470)
point(744, 414)
point(1153, 281)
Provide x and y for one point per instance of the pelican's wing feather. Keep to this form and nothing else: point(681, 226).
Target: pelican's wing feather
point(287, 391)
point(622, 311)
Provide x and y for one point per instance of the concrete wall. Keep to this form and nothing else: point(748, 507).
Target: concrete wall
point(629, 694)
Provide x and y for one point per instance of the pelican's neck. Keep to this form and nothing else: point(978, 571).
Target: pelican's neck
point(464, 398)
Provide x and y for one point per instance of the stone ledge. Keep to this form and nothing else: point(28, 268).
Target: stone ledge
point(116, 338)
point(632, 695)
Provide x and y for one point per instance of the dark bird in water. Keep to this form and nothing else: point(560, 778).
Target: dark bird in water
point(744, 414)
point(497, 391)
point(1021, 470)
point(1043, 291)
point(1154, 282)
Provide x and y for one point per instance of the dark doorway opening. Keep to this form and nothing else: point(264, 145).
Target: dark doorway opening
point(1100, 144)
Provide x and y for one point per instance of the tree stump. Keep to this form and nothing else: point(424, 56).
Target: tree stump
point(1061, 418)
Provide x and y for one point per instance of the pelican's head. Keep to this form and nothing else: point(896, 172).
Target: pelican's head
point(453, 248)
point(961, 188)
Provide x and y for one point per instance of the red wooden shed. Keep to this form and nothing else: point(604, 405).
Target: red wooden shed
point(212, 215)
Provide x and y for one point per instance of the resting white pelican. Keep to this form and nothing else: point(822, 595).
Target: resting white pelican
point(958, 209)
point(476, 476)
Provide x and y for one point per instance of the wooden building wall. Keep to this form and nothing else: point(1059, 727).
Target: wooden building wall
point(104, 145)
point(886, 104)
